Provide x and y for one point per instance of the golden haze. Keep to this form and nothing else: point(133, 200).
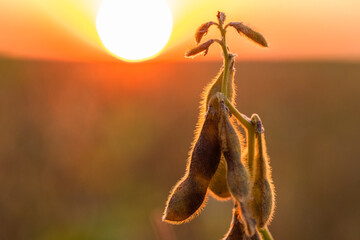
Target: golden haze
point(65, 29)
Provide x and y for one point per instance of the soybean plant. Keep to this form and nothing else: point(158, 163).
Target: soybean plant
point(221, 161)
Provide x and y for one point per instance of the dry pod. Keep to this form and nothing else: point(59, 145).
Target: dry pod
point(237, 175)
point(189, 193)
point(261, 200)
point(237, 228)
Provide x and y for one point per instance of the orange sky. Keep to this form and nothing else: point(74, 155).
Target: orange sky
point(307, 29)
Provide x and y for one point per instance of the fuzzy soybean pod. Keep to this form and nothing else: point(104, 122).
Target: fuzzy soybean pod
point(218, 185)
point(238, 178)
point(189, 193)
point(237, 228)
point(261, 199)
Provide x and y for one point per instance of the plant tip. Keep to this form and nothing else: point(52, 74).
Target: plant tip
point(221, 17)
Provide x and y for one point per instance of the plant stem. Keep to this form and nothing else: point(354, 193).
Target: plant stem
point(266, 235)
point(226, 60)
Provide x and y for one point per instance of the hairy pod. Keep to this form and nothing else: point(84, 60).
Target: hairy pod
point(218, 185)
point(189, 193)
point(262, 190)
point(238, 178)
point(237, 229)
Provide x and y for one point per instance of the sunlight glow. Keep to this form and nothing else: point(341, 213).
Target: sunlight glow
point(134, 30)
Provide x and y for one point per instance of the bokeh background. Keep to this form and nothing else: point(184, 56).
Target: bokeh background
point(90, 146)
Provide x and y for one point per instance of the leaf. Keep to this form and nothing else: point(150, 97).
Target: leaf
point(248, 32)
point(202, 48)
point(202, 31)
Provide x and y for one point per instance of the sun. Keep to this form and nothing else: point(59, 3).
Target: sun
point(134, 30)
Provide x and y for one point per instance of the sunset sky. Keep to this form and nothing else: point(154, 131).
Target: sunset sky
point(65, 29)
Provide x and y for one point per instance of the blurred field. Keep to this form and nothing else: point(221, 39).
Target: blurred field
point(90, 151)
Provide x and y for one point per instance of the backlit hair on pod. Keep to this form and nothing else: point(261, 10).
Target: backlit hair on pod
point(189, 193)
point(262, 201)
point(237, 175)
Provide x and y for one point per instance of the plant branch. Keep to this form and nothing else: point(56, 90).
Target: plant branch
point(226, 59)
point(243, 119)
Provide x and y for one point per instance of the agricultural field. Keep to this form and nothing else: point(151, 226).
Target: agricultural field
point(91, 150)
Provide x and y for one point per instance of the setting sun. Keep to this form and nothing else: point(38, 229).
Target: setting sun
point(134, 30)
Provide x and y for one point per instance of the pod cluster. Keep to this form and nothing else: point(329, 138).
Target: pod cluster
point(218, 160)
point(218, 165)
